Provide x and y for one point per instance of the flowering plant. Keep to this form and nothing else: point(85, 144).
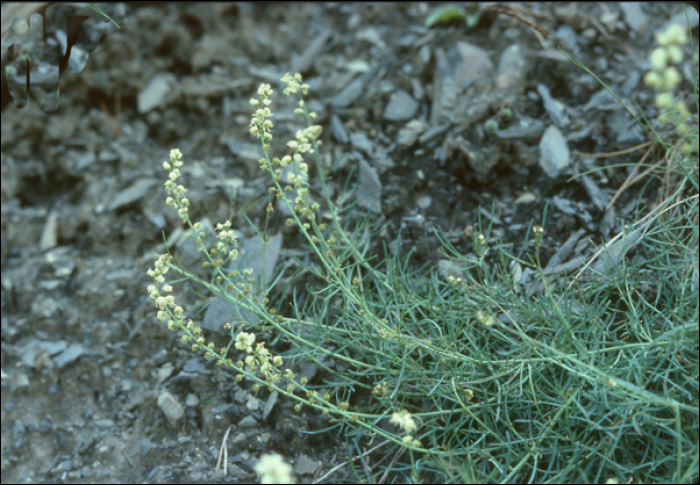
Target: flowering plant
point(481, 376)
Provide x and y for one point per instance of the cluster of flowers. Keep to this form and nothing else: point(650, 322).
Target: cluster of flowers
point(168, 310)
point(259, 358)
point(664, 78)
point(297, 175)
point(273, 469)
point(405, 421)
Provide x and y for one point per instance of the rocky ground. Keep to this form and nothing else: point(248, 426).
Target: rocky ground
point(449, 125)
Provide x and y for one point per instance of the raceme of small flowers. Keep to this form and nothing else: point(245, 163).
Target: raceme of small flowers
point(261, 126)
point(258, 357)
point(297, 173)
point(273, 469)
point(665, 78)
point(176, 199)
point(405, 421)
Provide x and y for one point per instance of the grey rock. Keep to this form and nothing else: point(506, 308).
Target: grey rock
point(634, 15)
point(252, 254)
point(564, 251)
point(607, 223)
point(409, 134)
point(170, 406)
point(424, 201)
point(49, 235)
point(554, 152)
point(447, 267)
point(512, 70)
point(473, 63)
point(369, 188)
point(252, 404)
point(401, 106)
point(602, 99)
point(156, 92)
point(270, 404)
point(305, 466)
point(526, 129)
point(137, 190)
point(551, 106)
point(349, 94)
point(311, 52)
point(568, 38)
point(247, 422)
point(361, 142)
point(600, 199)
point(613, 254)
point(564, 205)
point(338, 130)
point(681, 19)
point(433, 133)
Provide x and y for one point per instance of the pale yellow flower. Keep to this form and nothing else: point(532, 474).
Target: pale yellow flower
point(273, 469)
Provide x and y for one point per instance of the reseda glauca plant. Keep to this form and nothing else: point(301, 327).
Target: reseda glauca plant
point(440, 358)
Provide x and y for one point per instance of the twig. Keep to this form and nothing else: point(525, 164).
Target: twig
point(632, 178)
point(642, 226)
point(334, 469)
point(116, 127)
point(223, 454)
point(528, 11)
point(614, 154)
point(396, 457)
point(526, 22)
